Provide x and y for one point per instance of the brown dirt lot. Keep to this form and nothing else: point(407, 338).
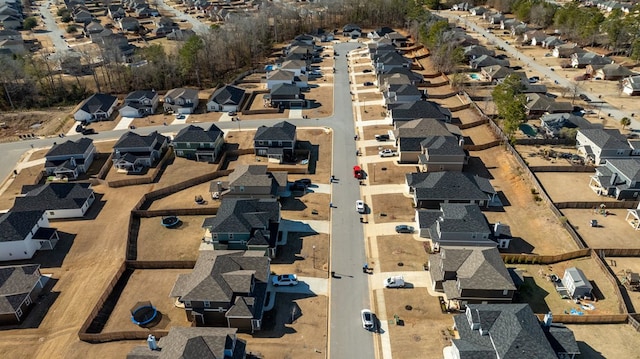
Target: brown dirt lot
point(543, 297)
point(396, 206)
point(186, 198)
point(308, 331)
point(400, 248)
point(301, 208)
point(479, 135)
point(299, 256)
point(606, 340)
point(374, 150)
point(394, 174)
point(425, 329)
point(622, 265)
point(555, 184)
point(181, 243)
point(612, 231)
point(152, 285)
point(323, 97)
point(26, 176)
point(370, 112)
point(371, 131)
point(532, 223)
point(535, 155)
point(52, 122)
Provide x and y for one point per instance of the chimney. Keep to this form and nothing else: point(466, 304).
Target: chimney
point(151, 342)
point(614, 179)
point(496, 229)
point(461, 141)
point(548, 318)
point(219, 186)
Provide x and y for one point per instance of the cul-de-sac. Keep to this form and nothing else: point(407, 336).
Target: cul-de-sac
point(297, 179)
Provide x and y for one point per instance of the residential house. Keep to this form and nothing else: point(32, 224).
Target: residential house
point(609, 72)
point(58, 199)
point(380, 32)
point(507, 24)
point(116, 11)
point(618, 178)
point(395, 94)
point(134, 152)
point(399, 75)
point(306, 39)
point(455, 224)
point(431, 189)
point(377, 49)
point(94, 27)
point(180, 34)
point(538, 104)
point(70, 158)
point(397, 39)
point(286, 96)
point(581, 60)
point(510, 331)
point(390, 60)
point(140, 104)
point(22, 233)
point(11, 47)
point(442, 153)
point(352, 31)
point(554, 123)
point(194, 142)
point(463, 6)
point(278, 77)
point(81, 14)
point(277, 141)
point(164, 25)
point(631, 85)
point(534, 37)
point(244, 223)
point(129, 23)
point(10, 22)
point(226, 99)
point(298, 67)
point(471, 275)
point(251, 181)
point(551, 42)
point(181, 100)
point(100, 36)
point(20, 286)
point(598, 145)
point(187, 342)
point(567, 50)
point(494, 19)
point(226, 288)
point(486, 60)
point(495, 73)
point(96, 107)
point(576, 283)
point(404, 112)
point(520, 29)
point(475, 51)
point(477, 11)
point(411, 134)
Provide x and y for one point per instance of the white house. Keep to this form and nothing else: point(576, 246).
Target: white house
point(97, 107)
point(70, 159)
point(58, 199)
point(298, 67)
point(226, 98)
point(631, 85)
point(279, 77)
point(22, 233)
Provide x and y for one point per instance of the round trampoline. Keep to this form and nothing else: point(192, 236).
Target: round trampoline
point(170, 221)
point(143, 313)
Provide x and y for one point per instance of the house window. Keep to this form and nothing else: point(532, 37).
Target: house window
point(52, 213)
point(505, 292)
point(188, 145)
point(241, 188)
point(187, 303)
point(18, 312)
point(230, 235)
point(27, 301)
point(620, 152)
point(207, 304)
point(279, 143)
point(201, 144)
point(214, 235)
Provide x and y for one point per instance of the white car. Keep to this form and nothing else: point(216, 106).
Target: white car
point(284, 279)
point(394, 282)
point(360, 206)
point(387, 153)
point(367, 319)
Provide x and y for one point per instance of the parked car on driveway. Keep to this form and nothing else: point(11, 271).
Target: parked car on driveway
point(304, 181)
point(360, 206)
point(584, 97)
point(368, 83)
point(367, 319)
point(403, 228)
point(387, 153)
point(366, 70)
point(284, 279)
point(382, 138)
point(89, 131)
point(396, 281)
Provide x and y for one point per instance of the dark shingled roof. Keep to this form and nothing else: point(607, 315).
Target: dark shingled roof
point(53, 196)
point(561, 338)
point(284, 89)
point(193, 133)
point(420, 109)
point(281, 131)
point(132, 139)
point(194, 343)
point(220, 275)
point(410, 134)
point(479, 268)
point(16, 282)
point(449, 185)
point(69, 148)
point(15, 225)
point(441, 145)
point(98, 102)
point(511, 331)
point(605, 138)
point(228, 95)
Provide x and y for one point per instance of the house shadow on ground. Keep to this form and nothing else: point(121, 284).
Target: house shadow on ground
point(293, 203)
point(39, 309)
point(314, 154)
point(587, 352)
point(291, 252)
point(529, 292)
point(518, 245)
point(278, 322)
point(476, 166)
point(50, 258)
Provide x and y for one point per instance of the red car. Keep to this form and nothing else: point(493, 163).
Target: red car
point(357, 172)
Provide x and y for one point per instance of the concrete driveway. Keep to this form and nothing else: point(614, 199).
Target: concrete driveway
point(53, 31)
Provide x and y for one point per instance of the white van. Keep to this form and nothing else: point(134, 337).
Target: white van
point(394, 282)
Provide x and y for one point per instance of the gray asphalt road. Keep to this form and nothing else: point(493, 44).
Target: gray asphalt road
point(349, 290)
point(54, 32)
point(605, 108)
point(350, 287)
point(197, 26)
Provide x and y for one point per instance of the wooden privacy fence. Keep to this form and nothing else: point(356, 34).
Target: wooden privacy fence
point(483, 146)
point(543, 259)
point(199, 211)
point(596, 205)
point(618, 252)
point(545, 141)
point(481, 122)
point(149, 178)
point(577, 168)
point(588, 319)
point(160, 264)
point(624, 302)
point(104, 170)
point(460, 108)
point(442, 96)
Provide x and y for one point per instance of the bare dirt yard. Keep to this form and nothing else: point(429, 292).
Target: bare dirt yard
point(532, 223)
point(612, 231)
point(388, 172)
point(308, 330)
point(546, 155)
point(423, 328)
point(152, 285)
point(48, 122)
point(478, 135)
point(540, 293)
point(370, 112)
point(597, 341)
point(322, 95)
point(186, 198)
point(180, 243)
point(26, 176)
point(621, 266)
point(392, 207)
point(371, 131)
point(400, 248)
point(313, 206)
point(305, 254)
point(556, 186)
